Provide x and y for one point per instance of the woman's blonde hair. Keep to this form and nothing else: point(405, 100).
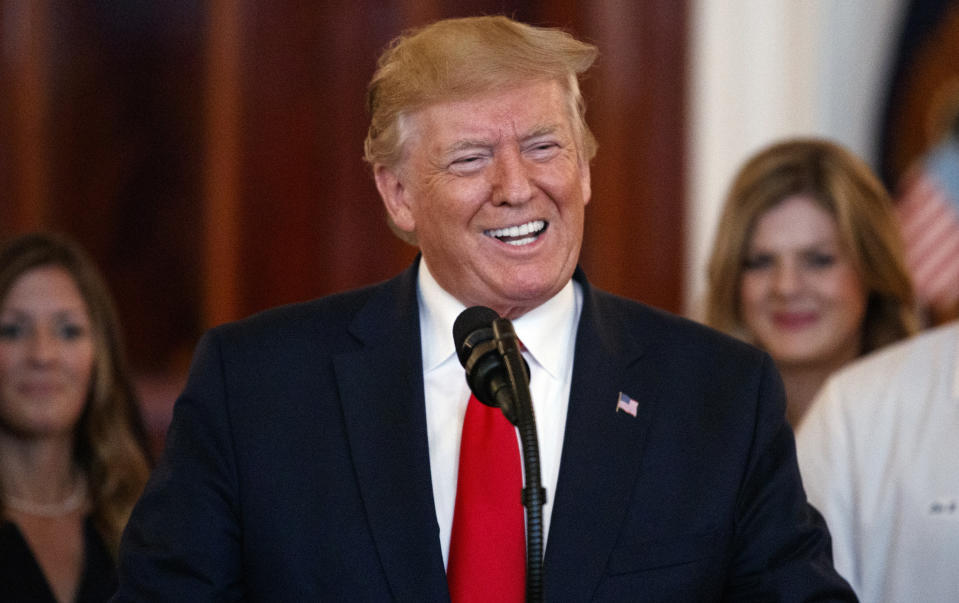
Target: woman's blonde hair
point(845, 187)
point(456, 58)
point(111, 443)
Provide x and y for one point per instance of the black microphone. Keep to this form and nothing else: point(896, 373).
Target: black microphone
point(498, 375)
point(476, 348)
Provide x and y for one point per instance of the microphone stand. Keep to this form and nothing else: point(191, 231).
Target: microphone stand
point(533, 495)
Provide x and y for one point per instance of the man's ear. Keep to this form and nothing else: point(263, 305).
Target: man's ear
point(396, 197)
point(584, 181)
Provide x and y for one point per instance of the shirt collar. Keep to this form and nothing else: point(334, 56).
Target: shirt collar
point(546, 329)
point(438, 312)
point(543, 330)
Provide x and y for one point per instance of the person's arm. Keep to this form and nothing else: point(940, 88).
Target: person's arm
point(823, 451)
point(183, 539)
point(782, 543)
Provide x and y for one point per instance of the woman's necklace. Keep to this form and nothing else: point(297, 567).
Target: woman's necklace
point(68, 505)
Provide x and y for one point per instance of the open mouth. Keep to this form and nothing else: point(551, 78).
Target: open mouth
point(524, 234)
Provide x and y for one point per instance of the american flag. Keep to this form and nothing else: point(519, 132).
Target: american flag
point(929, 215)
point(626, 404)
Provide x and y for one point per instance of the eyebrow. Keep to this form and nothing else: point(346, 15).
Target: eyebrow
point(804, 248)
point(472, 143)
point(544, 130)
point(16, 313)
point(468, 143)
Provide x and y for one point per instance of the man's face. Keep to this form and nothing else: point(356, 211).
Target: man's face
point(495, 190)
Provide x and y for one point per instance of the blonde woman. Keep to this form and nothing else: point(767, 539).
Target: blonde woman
point(808, 264)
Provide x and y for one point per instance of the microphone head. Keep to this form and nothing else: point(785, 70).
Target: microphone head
point(472, 326)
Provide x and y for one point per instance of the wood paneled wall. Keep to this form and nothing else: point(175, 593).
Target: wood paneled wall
point(208, 153)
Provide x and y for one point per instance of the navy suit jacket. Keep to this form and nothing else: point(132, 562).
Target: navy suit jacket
point(297, 468)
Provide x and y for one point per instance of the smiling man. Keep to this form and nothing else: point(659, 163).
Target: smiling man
point(494, 188)
point(331, 450)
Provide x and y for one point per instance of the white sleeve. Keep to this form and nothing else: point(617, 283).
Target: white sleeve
point(826, 457)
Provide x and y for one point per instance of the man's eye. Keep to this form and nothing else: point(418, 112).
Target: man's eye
point(467, 164)
point(543, 149)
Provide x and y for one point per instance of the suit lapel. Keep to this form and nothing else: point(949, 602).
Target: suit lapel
point(601, 456)
point(381, 387)
point(384, 412)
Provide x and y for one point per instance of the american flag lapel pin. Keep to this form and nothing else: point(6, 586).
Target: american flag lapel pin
point(626, 404)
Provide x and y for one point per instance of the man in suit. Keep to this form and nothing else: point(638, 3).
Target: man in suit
point(313, 453)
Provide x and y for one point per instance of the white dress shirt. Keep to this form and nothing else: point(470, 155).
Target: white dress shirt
point(549, 335)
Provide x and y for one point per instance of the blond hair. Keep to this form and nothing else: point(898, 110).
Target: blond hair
point(111, 444)
point(456, 58)
point(842, 184)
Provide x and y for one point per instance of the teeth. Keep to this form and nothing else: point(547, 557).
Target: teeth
point(533, 227)
point(519, 242)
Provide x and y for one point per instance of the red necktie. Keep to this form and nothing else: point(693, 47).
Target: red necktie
point(487, 559)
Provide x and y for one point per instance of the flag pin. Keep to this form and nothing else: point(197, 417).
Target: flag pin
point(627, 404)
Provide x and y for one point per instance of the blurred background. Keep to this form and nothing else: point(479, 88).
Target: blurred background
point(208, 152)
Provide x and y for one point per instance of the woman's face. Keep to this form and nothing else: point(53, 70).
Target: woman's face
point(801, 297)
point(46, 354)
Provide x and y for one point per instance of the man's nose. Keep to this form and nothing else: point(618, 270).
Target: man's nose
point(512, 184)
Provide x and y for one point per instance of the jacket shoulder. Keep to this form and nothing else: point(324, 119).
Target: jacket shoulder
point(387, 302)
point(657, 327)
